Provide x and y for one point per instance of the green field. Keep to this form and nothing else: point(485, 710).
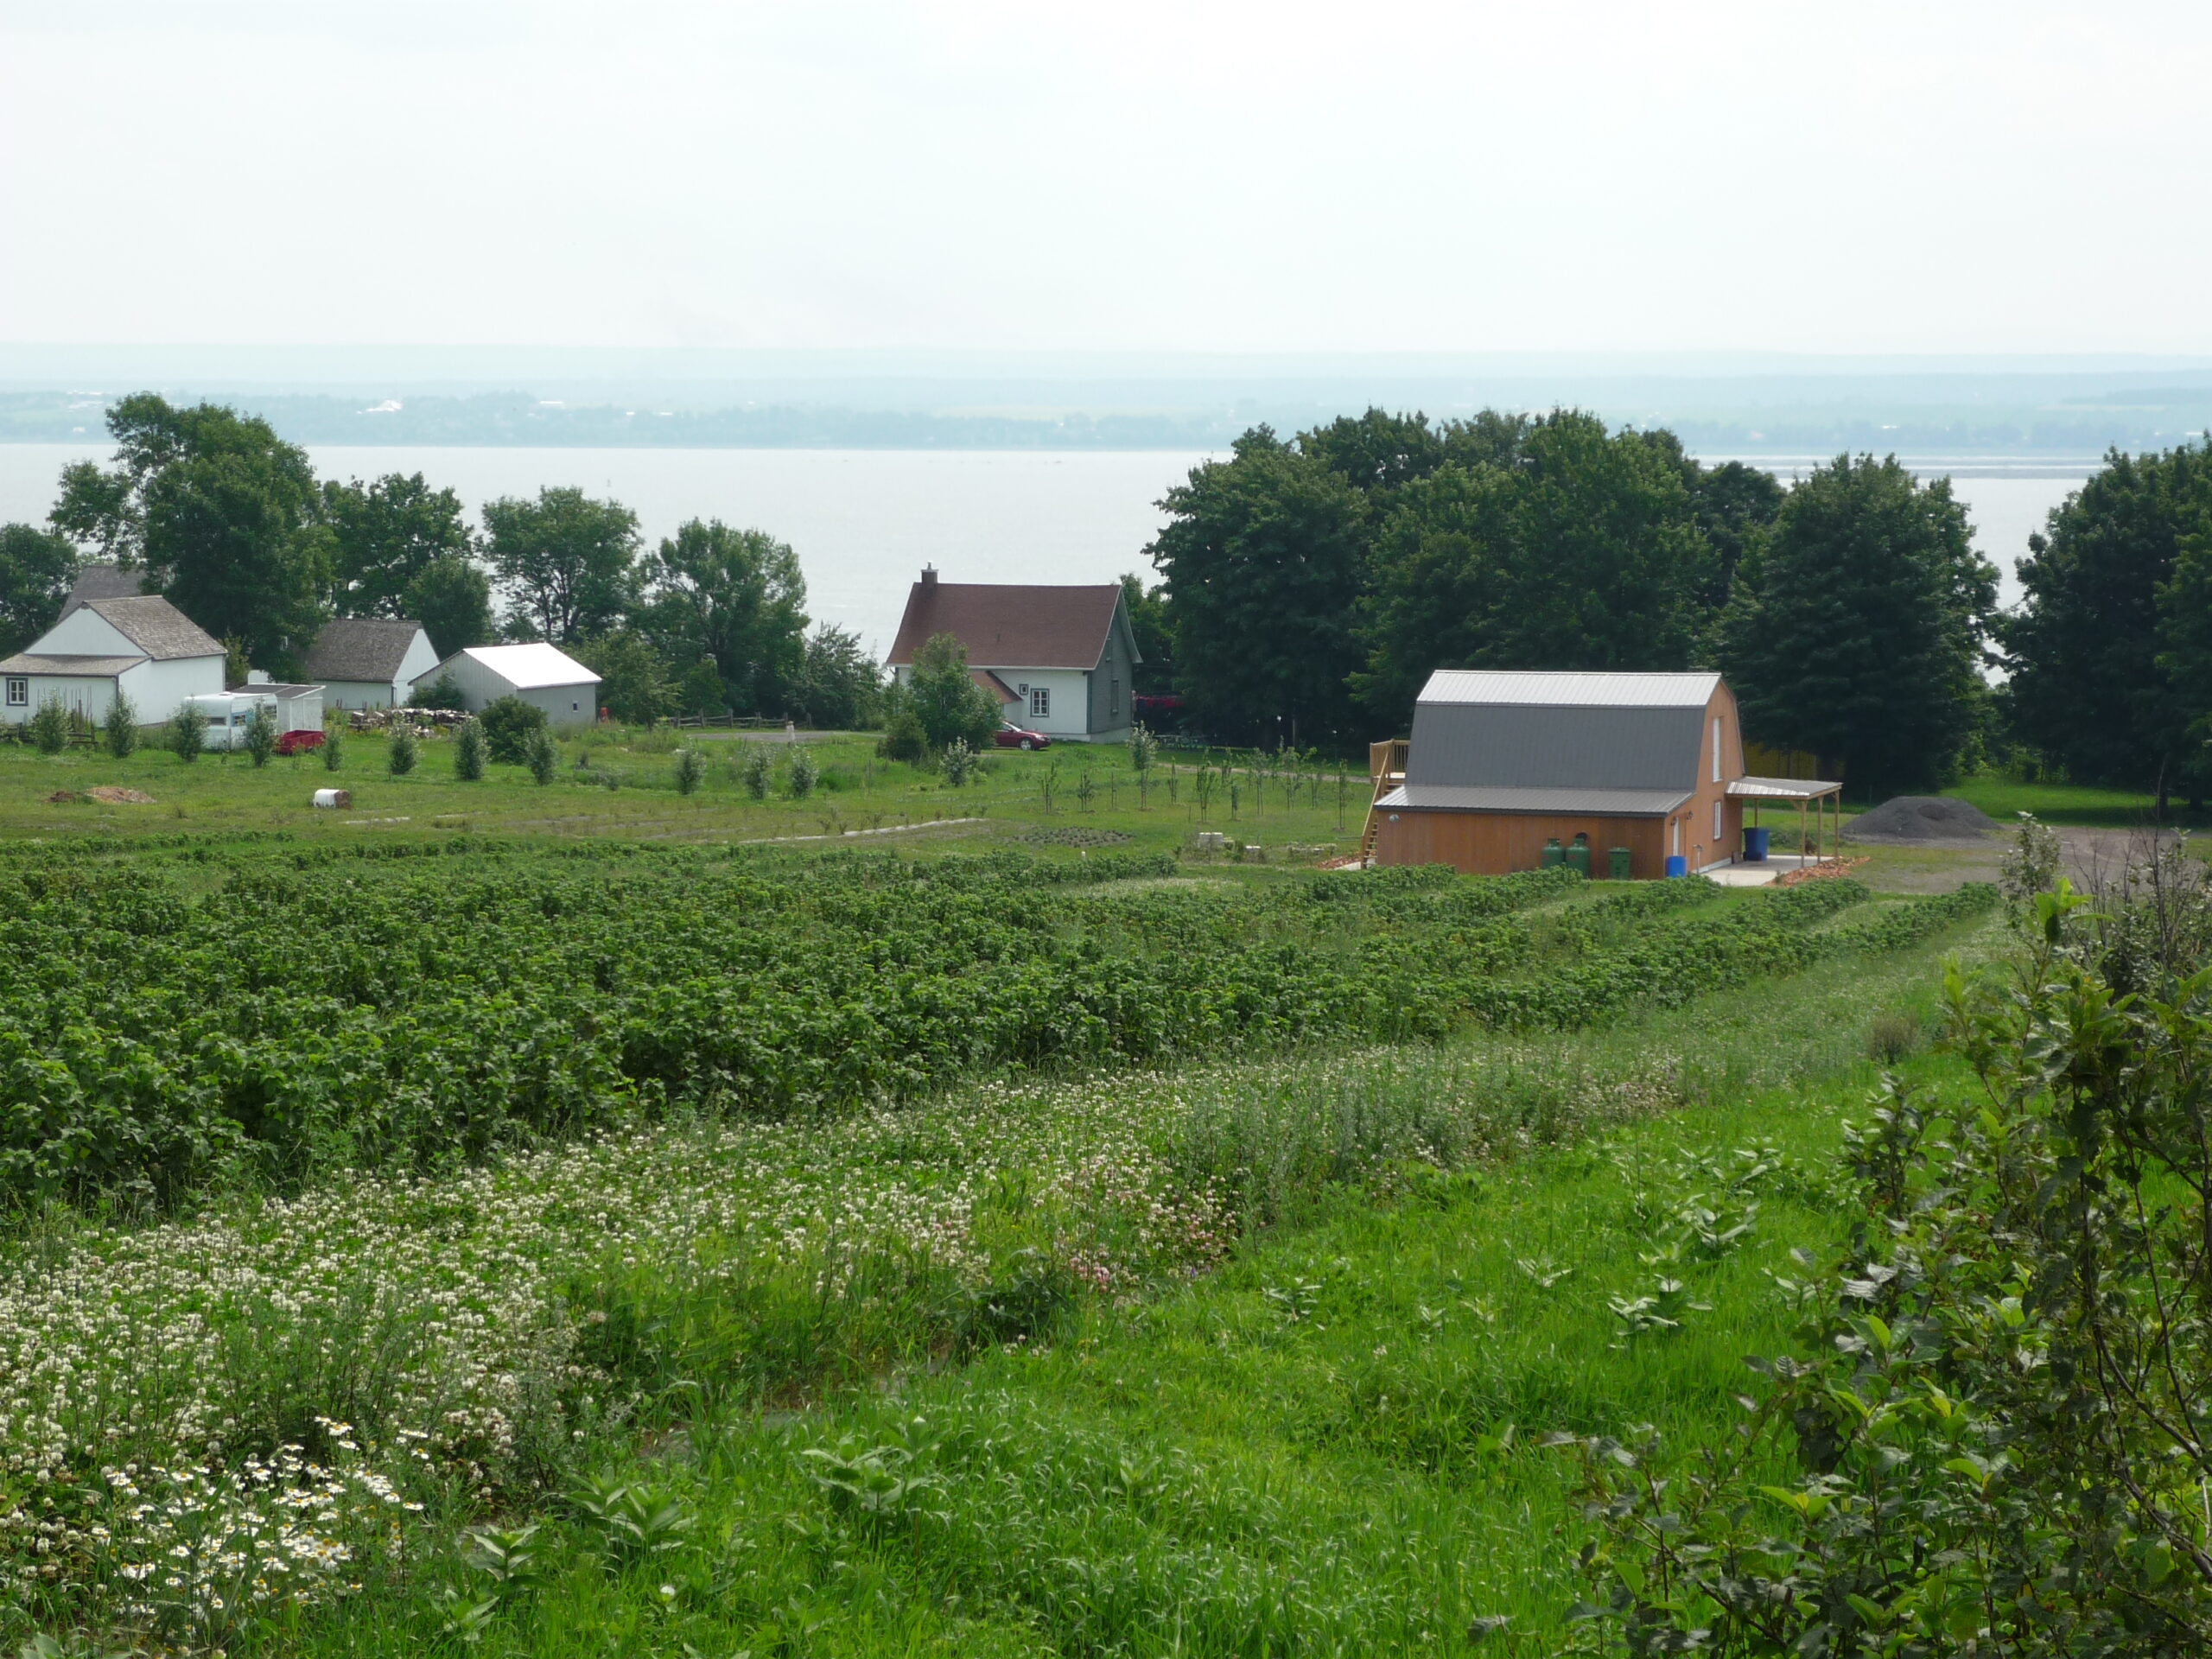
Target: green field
point(538, 1236)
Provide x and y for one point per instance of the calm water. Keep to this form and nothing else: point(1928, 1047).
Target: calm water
point(865, 521)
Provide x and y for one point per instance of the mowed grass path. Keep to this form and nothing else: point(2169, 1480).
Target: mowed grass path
point(1328, 1446)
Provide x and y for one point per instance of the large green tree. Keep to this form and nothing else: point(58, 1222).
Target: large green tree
point(2083, 647)
point(1856, 630)
point(1149, 623)
point(569, 563)
point(2185, 654)
point(451, 597)
point(1583, 552)
point(946, 699)
point(840, 687)
point(1264, 560)
point(736, 598)
point(37, 568)
point(222, 514)
point(384, 534)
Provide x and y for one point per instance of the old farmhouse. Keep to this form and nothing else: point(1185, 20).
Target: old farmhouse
point(138, 646)
point(1502, 765)
point(1060, 659)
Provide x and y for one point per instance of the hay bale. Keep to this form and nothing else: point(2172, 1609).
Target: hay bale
point(1921, 818)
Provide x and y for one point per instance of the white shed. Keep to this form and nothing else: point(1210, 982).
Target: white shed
point(370, 662)
point(538, 673)
point(140, 647)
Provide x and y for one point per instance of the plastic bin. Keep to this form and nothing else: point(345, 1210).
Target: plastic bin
point(1755, 845)
point(1621, 863)
point(1555, 855)
point(1677, 865)
point(1578, 858)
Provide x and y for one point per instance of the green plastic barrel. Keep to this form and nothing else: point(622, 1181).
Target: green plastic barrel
point(1578, 858)
point(1619, 855)
point(1555, 855)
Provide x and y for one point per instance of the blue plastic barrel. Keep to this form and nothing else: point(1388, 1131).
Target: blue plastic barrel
point(1677, 865)
point(1755, 845)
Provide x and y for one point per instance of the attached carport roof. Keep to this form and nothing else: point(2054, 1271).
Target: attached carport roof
point(1781, 789)
point(1499, 798)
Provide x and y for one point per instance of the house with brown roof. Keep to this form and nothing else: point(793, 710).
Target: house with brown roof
point(137, 646)
point(1061, 660)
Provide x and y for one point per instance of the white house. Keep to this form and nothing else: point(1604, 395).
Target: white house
point(369, 662)
point(1061, 660)
point(538, 673)
point(140, 647)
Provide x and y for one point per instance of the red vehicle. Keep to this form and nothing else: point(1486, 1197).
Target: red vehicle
point(1011, 737)
point(1161, 709)
point(299, 742)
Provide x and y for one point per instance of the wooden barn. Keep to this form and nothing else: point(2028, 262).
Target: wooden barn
point(1502, 765)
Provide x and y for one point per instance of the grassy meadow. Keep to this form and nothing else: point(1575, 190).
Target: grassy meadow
point(578, 1219)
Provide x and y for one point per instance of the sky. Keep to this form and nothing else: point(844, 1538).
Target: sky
point(1944, 175)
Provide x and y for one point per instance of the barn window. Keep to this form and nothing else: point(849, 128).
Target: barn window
point(1716, 768)
point(1040, 702)
point(1716, 824)
point(19, 693)
point(1678, 837)
point(1113, 697)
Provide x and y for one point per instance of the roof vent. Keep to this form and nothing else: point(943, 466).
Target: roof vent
point(929, 578)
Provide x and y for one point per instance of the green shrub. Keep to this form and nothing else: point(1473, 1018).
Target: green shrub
point(441, 693)
point(188, 732)
point(402, 751)
point(543, 756)
point(690, 769)
point(119, 730)
point(803, 773)
point(49, 726)
point(959, 763)
point(757, 771)
point(902, 737)
point(469, 752)
point(333, 743)
point(508, 723)
point(261, 733)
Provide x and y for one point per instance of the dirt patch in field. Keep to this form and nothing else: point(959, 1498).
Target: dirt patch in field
point(1910, 820)
point(115, 796)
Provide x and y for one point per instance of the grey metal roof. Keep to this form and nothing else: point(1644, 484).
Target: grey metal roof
point(272, 688)
point(1520, 746)
point(67, 665)
point(103, 581)
point(1596, 803)
point(1577, 689)
point(1781, 789)
point(361, 648)
point(157, 627)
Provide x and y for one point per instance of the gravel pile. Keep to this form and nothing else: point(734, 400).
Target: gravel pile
point(1920, 818)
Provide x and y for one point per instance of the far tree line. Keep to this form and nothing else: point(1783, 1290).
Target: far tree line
point(1313, 584)
point(1307, 588)
point(229, 521)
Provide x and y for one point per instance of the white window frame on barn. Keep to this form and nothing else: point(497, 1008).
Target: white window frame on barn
point(1040, 702)
point(1716, 825)
point(19, 692)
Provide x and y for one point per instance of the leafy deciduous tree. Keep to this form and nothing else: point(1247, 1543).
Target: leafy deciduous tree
point(452, 598)
point(736, 597)
point(36, 570)
point(569, 562)
point(949, 705)
point(384, 534)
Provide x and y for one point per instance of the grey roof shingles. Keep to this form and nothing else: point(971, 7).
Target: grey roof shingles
point(360, 648)
point(68, 665)
point(103, 581)
point(157, 627)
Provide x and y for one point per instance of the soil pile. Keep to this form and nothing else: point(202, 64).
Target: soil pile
point(115, 796)
point(1920, 818)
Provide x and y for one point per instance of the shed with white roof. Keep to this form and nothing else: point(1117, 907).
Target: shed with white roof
point(539, 674)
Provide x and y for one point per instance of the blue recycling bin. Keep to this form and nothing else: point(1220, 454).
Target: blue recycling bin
point(1755, 845)
point(1677, 865)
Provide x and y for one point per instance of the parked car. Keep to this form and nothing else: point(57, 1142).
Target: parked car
point(298, 742)
point(1011, 737)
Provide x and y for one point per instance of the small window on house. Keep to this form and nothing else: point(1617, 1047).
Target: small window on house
point(1716, 766)
point(19, 694)
point(1113, 697)
point(1716, 825)
point(1040, 702)
point(1678, 837)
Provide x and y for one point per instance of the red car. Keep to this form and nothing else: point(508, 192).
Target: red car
point(297, 742)
point(1018, 737)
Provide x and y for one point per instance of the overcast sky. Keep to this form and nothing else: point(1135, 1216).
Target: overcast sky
point(1877, 177)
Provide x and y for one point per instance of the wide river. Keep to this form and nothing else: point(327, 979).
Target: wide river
point(865, 521)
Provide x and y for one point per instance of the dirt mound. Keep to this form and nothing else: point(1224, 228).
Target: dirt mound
point(1920, 818)
point(115, 796)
